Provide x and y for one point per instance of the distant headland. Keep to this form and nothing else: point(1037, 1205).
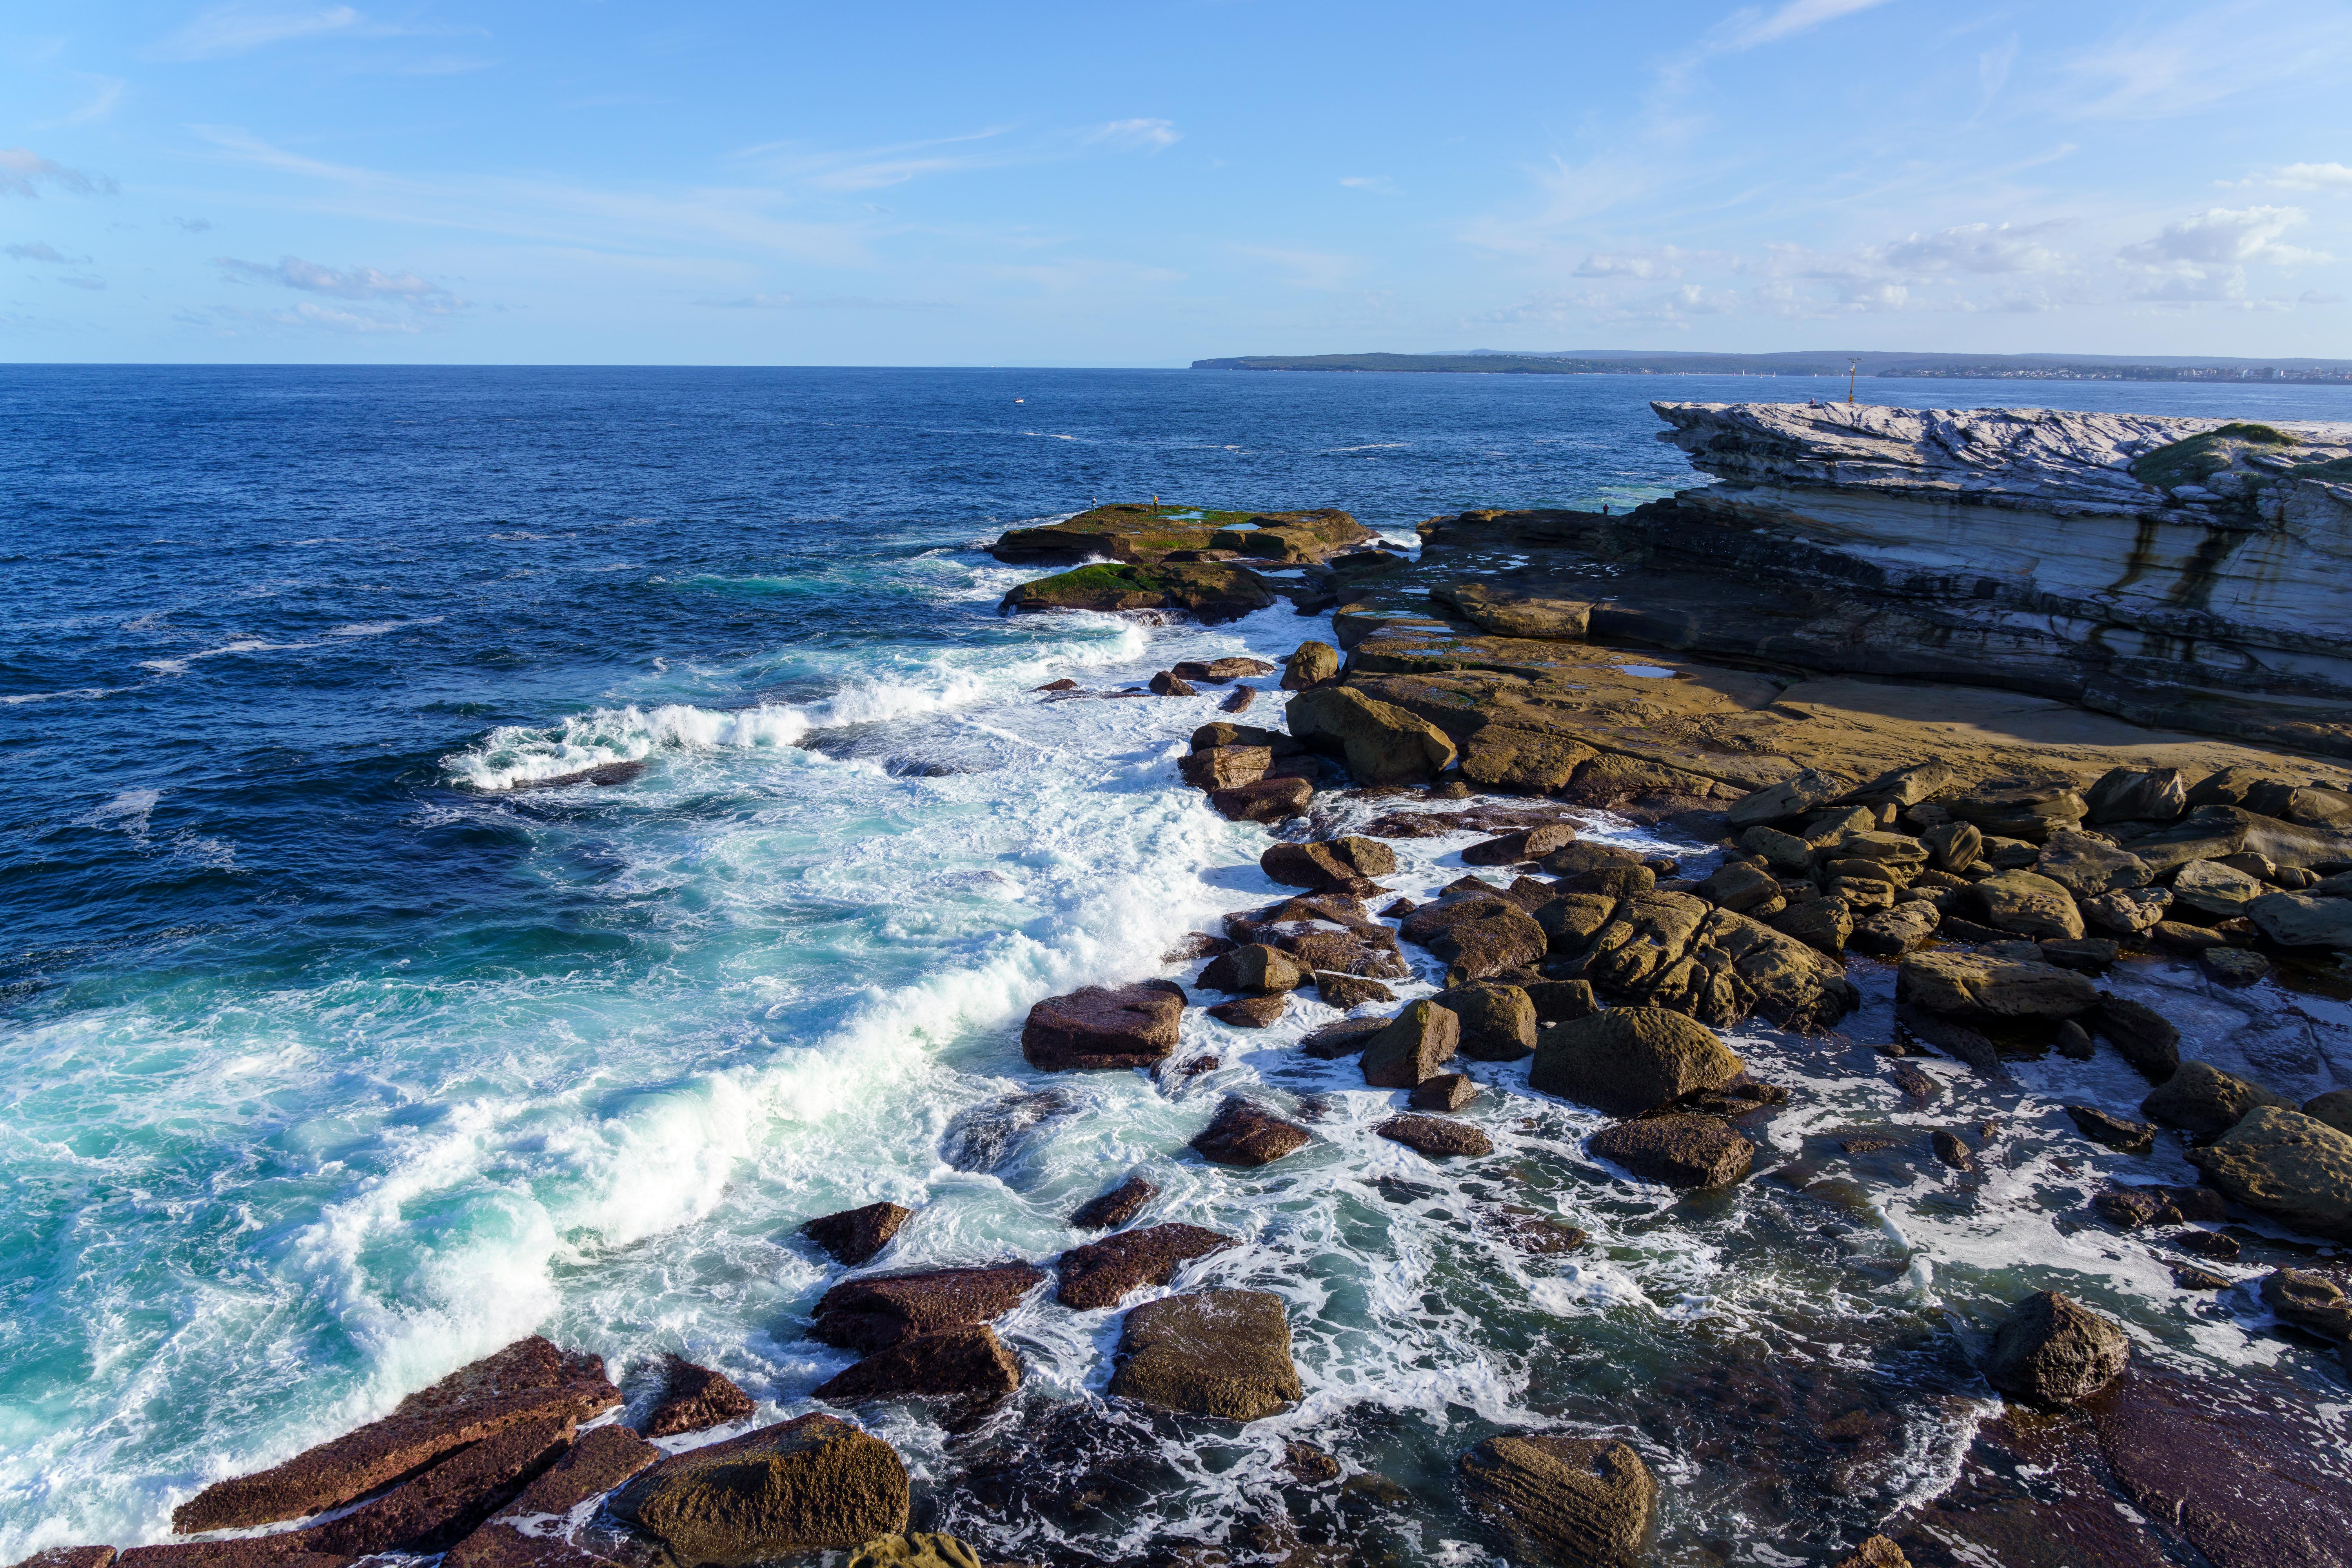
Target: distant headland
point(1945, 366)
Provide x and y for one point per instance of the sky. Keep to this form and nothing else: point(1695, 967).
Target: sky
point(608, 181)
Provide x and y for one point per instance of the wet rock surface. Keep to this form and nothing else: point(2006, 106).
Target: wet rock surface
point(1574, 1499)
point(1098, 1026)
point(878, 1311)
point(1113, 1208)
point(1246, 1134)
point(1676, 1150)
point(1102, 1273)
point(1218, 1352)
point(856, 1236)
point(1435, 1136)
point(2053, 1350)
point(804, 1485)
point(694, 1399)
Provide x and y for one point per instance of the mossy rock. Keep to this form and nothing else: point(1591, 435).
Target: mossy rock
point(2200, 457)
point(1210, 591)
point(1125, 531)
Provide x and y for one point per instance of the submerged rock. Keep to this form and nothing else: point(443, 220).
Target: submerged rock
point(854, 1235)
point(1115, 1208)
point(1218, 1353)
point(811, 1484)
point(694, 1398)
point(1580, 1500)
point(2130, 1208)
point(1096, 1027)
point(2053, 1350)
point(1435, 1136)
point(1100, 1273)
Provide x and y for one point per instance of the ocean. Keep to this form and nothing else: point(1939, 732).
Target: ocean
point(331, 1059)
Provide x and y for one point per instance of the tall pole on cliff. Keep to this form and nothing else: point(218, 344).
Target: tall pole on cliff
point(1853, 369)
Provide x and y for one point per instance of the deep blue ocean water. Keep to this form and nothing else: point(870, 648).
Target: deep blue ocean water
point(329, 1062)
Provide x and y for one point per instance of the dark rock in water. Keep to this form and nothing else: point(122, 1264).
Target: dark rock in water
point(1580, 1500)
point(920, 1549)
point(1219, 670)
point(695, 1399)
point(100, 1556)
point(1478, 932)
point(1303, 1461)
point(1631, 1059)
point(437, 1508)
point(2190, 1276)
point(1919, 1086)
point(1226, 767)
point(2053, 1350)
point(1676, 1150)
point(981, 1137)
point(806, 1485)
point(854, 1235)
point(528, 1381)
point(1196, 944)
point(2074, 1042)
point(1890, 933)
point(1102, 1273)
point(2333, 1108)
point(1344, 865)
point(2292, 1167)
point(1116, 1208)
point(1324, 931)
point(1953, 1039)
point(1525, 1230)
point(2232, 965)
point(1974, 986)
point(2117, 1132)
point(2308, 1300)
point(2141, 1035)
point(1133, 1026)
point(1166, 684)
point(1952, 1151)
point(601, 1460)
point(1252, 1012)
point(2132, 1207)
point(1446, 1091)
point(969, 1364)
point(1254, 969)
point(1268, 800)
point(1240, 699)
point(1349, 991)
point(1435, 1136)
point(1248, 1136)
point(1527, 843)
point(2089, 955)
point(880, 1309)
point(1411, 1047)
point(603, 776)
point(1878, 1551)
point(2204, 1101)
point(2214, 1244)
point(1065, 684)
point(1219, 1353)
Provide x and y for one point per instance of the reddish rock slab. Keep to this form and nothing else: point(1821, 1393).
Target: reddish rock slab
point(1115, 1208)
point(529, 1380)
point(1268, 800)
point(854, 1235)
point(1435, 1136)
point(1102, 1273)
point(1676, 1150)
point(809, 1484)
point(69, 1557)
point(695, 1399)
point(254, 1552)
point(441, 1507)
point(1248, 1136)
point(1252, 1012)
point(969, 1363)
point(529, 1531)
point(879, 1310)
point(1098, 1026)
point(1511, 849)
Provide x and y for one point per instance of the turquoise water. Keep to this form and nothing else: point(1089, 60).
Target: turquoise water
point(330, 1060)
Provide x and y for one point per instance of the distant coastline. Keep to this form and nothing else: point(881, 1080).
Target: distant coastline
point(1874, 363)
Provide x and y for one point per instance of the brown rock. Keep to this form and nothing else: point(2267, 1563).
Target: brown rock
point(805, 1484)
point(1344, 1038)
point(1255, 969)
point(1098, 1027)
point(2130, 1208)
point(1248, 1136)
point(2290, 1166)
point(1313, 664)
point(2053, 1350)
point(854, 1235)
point(601, 1460)
point(442, 1506)
point(1527, 843)
point(2233, 967)
point(1344, 865)
point(969, 1364)
point(1877, 1551)
point(2141, 1035)
point(1381, 744)
point(1217, 671)
point(2311, 1301)
point(2205, 1101)
point(1226, 767)
point(1562, 1001)
point(528, 1381)
point(1972, 985)
point(1194, 945)
point(1240, 699)
point(1218, 1353)
point(1580, 1501)
point(1498, 1021)
point(880, 1309)
point(1252, 1012)
point(1435, 1136)
point(283, 1551)
point(1268, 800)
point(1631, 1059)
point(78, 1557)
point(1303, 1461)
point(1166, 684)
point(1892, 932)
point(1348, 991)
point(2028, 904)
point(2119, 1133)
point(1446, 1091)
point(1412, 1046)
point(1477, 934)
point(1113, 1208)
point(920, 1549)
point(2333, 1108)
point(1675, 1150)
point(695, 1399)
point(1100, 1273)
point(1822, 924)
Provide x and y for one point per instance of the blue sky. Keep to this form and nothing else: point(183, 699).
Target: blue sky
point(920, 183)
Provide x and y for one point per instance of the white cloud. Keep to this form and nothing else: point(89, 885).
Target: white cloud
point(2223, 236)
point(1665, 262)
point(1151, 135)
point(2308, 177)
point(323, 317)
point(1379, 183)
point(193, 225)
point(22, 169)
point(1746, 29)
point(354, 283)
point(35, 250)
point(822, 303)
point(235, 29)
point(1980, 248)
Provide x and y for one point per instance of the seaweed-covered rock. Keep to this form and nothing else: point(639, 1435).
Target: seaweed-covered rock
point(811, 1484)
point(1580, 1501)
point(2053, 1350)
point(1218, 1352)
point(1631, 1059)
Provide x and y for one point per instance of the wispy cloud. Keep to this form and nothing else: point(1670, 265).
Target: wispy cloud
point(35, 250)
point(236, 29)
point(24, 171)
point(323, 317)
point(822, 303)
point(106, 92)
point(1379, 183)
point(1748, 29)
point(93, 284)
point(193, 225)
point(365, 283)
point(2302, 177)
point(2217, 52)
point(1148, 135)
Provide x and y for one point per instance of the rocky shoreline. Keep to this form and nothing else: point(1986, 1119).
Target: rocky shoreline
point(1888, 782)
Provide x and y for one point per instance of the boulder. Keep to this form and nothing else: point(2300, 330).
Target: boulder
point(1561, 1001)
point(1783, 852)
point(1224, 1353)
point(1877, 1551)
point(2052, 1351)
point(2031, 812)
point(1675, 1150)
point(1506, 757)
point(1435, 1136)
point(2027, 904)
point(695, 1399)
point(80, 1557)
point(921, 1550)
point(1217, 671)
point(2133, 1207)
point(2304, 919)
point(1586, 855)
point(968, 1364)
point(435, 1511)
point(1446, 1091)
point(1743, 888)
point(1252, 1012)
point(1584, 1501)
point(1381, 744)
point(1168, 684)
point(1512, 849)
point(2141, 1035)
point(1344, 1038)
point(1100, 1273)
point(2086, 866)
point(1109, 1211)
point(2233, 967)
point(1210, 591)
point(1631, 1059)
point(1238, 699)
point(281, 1550)
point(1890, 933)
point(880, 1309)
point(2137, 795)
point(1324, 931)
point(1349, 991)
point(528, 1381)
point(1248, 1136)
point(1268, 800)
point(1343, 865)
point(1412, 1046)
point(1498, 1020)
point(1954, 846)
point(2090, 954)
point(1790, 798)
point(1255, 970)
point(2228, 786)
point(1477, 934)
point(1313, 664)
point(811, 1484)
point(2117, 1132)
point(1571, 920)
point(2292, 1167)
point(1822, 924)
point(854, 1235)
point(1673, 951)
point(1226, 767)
point(2311, 1301)
point(1101, 1026)
point(1976, 986)
point(2333, 1108)
point(2211, 888)
point(2204, 1101)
